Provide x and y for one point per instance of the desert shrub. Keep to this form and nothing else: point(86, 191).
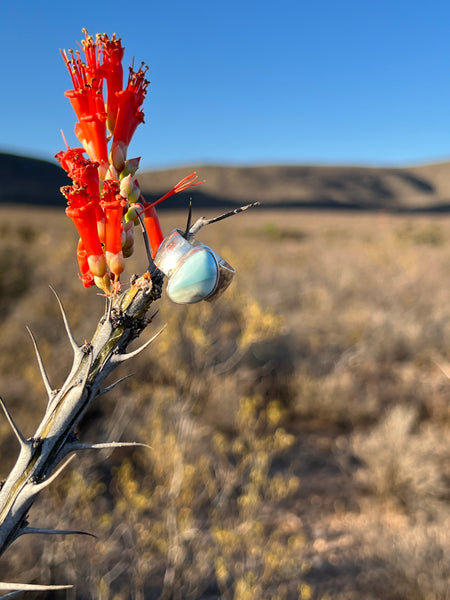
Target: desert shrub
point(410, 558)
point(16, 264)
point(420, 557)
point(275, 233)
point(258, 550)
point(419, 233)
point(405, 460)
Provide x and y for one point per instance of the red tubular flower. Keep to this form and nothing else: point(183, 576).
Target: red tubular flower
point(113, 52)
point(129, 115)
point(87, 100)
point(91, 131)
point(83, 172)
point(153, 228)
point(71, 161)
point(113, 205)
point(85, 275)
point(83, 213)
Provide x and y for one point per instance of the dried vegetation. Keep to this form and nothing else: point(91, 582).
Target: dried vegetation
point(299, 426)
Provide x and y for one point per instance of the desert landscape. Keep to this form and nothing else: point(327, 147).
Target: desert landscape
point(299, 426)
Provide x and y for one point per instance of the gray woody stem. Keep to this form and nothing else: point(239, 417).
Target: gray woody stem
point(40, 457)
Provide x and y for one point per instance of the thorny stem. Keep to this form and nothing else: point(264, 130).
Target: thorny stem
point(55, 438)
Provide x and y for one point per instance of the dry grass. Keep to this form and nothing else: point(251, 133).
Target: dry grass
point(299, 426)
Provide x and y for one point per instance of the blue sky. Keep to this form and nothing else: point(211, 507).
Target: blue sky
point(244, 82)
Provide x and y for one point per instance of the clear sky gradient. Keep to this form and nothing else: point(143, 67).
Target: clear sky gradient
point(244, 81)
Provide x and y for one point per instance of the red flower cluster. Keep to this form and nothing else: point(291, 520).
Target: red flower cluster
point(105, 195)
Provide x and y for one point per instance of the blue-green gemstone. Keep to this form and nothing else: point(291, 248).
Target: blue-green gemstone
point(194, 279)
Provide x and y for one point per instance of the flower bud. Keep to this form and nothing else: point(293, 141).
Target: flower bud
point(118, 155)
point(97, 264)
point(132, 213)
point(115, 262)
point(130, 189)
point(104, 283)
point(131, 166)
point(128, 251)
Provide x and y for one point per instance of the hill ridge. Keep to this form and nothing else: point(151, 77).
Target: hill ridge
point(35, 181)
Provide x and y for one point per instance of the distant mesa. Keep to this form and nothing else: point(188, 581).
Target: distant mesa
point(421, 188)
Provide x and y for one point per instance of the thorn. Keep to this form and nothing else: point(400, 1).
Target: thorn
point(109, 446)
point(37, 487)
point(22, 440)
point(119, 358)
point(24, 587)
point(75, 347)
point(113, 385)
point(153, 315)
point(188, 224)
point(44, 376)
point(28, 530)
point(203, 221)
